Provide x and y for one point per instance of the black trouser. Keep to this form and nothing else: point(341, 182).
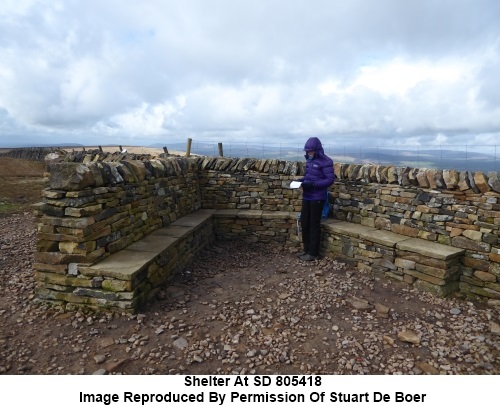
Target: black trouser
point(310, 219)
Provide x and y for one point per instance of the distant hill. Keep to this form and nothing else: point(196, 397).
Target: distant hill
point(439, 158)
point(425, 158)
point(41, 145)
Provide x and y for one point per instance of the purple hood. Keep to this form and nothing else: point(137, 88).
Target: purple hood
point(315, 145)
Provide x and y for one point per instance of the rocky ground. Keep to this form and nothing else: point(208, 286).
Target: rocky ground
point(244, 309)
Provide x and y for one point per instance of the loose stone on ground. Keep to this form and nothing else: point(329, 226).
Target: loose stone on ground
point(246, 309)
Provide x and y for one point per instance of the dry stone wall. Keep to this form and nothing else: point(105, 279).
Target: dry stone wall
point(94, 209)
point(91, 210)
point(35, 153)
point(460, 209)
point(58, 155)
point(249, 184)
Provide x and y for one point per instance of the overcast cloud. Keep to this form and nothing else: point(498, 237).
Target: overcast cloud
point(352, 72)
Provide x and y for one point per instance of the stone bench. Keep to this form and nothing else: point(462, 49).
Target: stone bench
point(128, 278)
point(132, 276)
point(429, 266)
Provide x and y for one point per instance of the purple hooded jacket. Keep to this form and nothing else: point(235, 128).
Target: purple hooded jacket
point(319, 170)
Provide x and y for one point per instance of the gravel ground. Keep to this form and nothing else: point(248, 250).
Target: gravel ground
point(244, 309)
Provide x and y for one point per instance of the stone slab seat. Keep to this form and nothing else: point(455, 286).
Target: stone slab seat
point(227, 213)
point(128, 262)
point(431, 249)
point(379, 236)
point(430, 266)
point(387, 238)
point(346, 228)
point(234, 213)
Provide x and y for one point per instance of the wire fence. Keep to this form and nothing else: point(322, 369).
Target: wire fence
point(485, 158)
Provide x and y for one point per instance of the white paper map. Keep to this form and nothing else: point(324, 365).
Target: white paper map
point(295, 184)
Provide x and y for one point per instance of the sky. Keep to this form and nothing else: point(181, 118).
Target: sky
point(351, 72)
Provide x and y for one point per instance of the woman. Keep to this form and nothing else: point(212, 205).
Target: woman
point(319, 175)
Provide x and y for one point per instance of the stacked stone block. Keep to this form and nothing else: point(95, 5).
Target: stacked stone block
point(94, 210)
point(91, 211)
point(427, 265)
point(134, 275)
point(250, 184)
point(370, 249)
point(458, 209)
point(431, 267)
point(256, 226)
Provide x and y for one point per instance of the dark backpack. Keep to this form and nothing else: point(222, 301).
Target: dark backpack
point(326, 207)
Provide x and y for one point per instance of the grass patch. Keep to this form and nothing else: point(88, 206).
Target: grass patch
point(21, 184)
point(6, 207)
